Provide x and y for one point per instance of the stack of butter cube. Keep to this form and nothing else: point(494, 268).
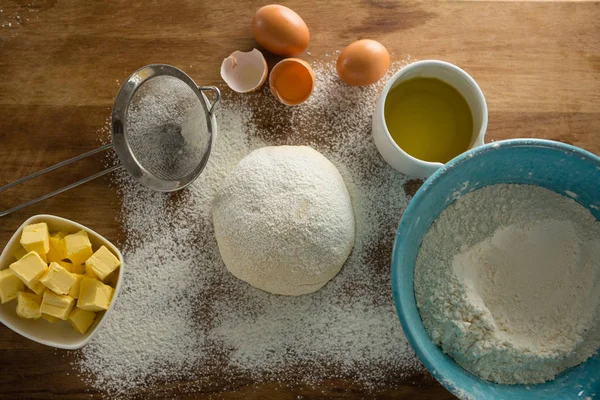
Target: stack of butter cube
point(58, 276)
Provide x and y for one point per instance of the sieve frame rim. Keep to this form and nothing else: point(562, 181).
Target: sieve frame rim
point(119, 126)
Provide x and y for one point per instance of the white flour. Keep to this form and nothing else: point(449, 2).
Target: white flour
point(507, 282)
point(183, 320)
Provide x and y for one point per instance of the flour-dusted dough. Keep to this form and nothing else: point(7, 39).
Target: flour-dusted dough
point(283, 220)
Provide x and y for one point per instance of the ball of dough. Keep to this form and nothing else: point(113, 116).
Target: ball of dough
point(283, 220)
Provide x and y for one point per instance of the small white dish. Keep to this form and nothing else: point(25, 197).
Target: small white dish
point(59, 334)
point(446, 72)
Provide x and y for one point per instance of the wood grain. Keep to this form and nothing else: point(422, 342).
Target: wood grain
point(61, 62)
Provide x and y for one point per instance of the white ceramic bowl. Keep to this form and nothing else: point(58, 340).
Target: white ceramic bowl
point(446, 72)
point(59, 334)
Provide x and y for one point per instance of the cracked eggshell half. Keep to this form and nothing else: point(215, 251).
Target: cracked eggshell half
point(244, 72)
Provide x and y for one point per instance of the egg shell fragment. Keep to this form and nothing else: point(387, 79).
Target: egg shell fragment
point(280, 30)
point(363, 62)
point(244, 72)
point(292, 81)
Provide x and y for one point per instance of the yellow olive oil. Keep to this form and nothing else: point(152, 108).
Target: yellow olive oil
point(429, 119)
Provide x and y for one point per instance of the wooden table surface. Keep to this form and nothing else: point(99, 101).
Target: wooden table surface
point(537, 63)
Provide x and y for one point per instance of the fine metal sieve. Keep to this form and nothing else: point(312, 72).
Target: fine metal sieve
point(163, 128)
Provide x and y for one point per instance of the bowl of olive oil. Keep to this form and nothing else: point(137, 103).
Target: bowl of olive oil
point(428, 113)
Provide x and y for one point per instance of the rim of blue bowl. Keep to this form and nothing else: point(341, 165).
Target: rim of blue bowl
point(493, 146)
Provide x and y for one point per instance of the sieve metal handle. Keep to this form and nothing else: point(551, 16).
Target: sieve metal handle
point(52, 168)
point(217, 94)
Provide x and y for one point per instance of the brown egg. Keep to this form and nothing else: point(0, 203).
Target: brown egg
point(363, 62)
point(280, 30)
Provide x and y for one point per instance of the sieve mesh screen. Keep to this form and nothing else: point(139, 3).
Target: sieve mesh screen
point(166, 128)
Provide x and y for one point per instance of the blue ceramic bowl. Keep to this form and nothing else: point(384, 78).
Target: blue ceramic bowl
point(559, 167)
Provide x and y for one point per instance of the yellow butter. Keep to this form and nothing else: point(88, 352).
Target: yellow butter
point(94, 295)
point(28, 305)
point(58, 279)
point(72, 268)
point(89, 272)
point(20, 253)
point(30, 268)
point(50, 318)
point(78, 269)
point(78, 247)
point(10, 285)
point(58, 306)
point(56, 312)
point(68, 265)
point(81, 319)
point(38, 288)
point(35, 237)
point(74, 291)
point(103, 263)
point(57, 247)
point(57, 300)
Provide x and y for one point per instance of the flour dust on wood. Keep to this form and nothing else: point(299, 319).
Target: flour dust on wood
point(183, 319)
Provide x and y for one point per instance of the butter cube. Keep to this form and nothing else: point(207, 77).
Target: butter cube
point(89, 272)
point(56, 312)
point(10, 285)
point(68, 265)
point(30, 268)
point(57, 247)
point(78, 269)
point(38, 288)
point(28, 305)
point(58, 279)
point(74, 291)
point(35, 237)
point(50, 318)
point(94, 295)
point(72, 268)
point(57, 300)
point(78, 247)
point(20, 253)
point(55, 305)
point(103, 262)
point(81, 319)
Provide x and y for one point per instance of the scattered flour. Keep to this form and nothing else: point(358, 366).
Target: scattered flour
point(507, 282)
point(182, 318)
